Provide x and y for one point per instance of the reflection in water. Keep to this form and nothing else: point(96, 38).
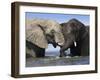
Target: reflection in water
point(54, 61)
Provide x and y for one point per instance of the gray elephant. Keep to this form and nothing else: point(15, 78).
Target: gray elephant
point(37, 32)
point(76, 36)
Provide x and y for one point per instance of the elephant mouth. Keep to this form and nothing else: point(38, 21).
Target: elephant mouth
point(54, 45)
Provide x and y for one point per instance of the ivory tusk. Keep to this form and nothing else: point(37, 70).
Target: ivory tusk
point(75, 44)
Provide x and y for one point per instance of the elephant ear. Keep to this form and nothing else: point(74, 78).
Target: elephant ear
point(36, 35)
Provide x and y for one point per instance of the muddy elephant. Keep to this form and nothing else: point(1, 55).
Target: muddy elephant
point(76, 36)
point(37, 32)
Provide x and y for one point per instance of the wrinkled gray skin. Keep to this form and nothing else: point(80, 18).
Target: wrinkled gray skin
point(37, 32)
point(36, 50)
point(50, 37)
point(75, 32)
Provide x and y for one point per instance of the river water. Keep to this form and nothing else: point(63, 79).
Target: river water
point(53, 59)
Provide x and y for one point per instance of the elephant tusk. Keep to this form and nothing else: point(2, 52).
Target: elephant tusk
point(60, 44)
point(75, 44)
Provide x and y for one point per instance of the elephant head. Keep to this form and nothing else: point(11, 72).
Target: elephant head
point(75, 32)
point(38, 32)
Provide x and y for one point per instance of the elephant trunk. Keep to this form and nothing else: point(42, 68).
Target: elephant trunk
point(59, 38)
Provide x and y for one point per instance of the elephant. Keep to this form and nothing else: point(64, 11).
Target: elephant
point(37, 32)
point(76, 36)
point(33, 50)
